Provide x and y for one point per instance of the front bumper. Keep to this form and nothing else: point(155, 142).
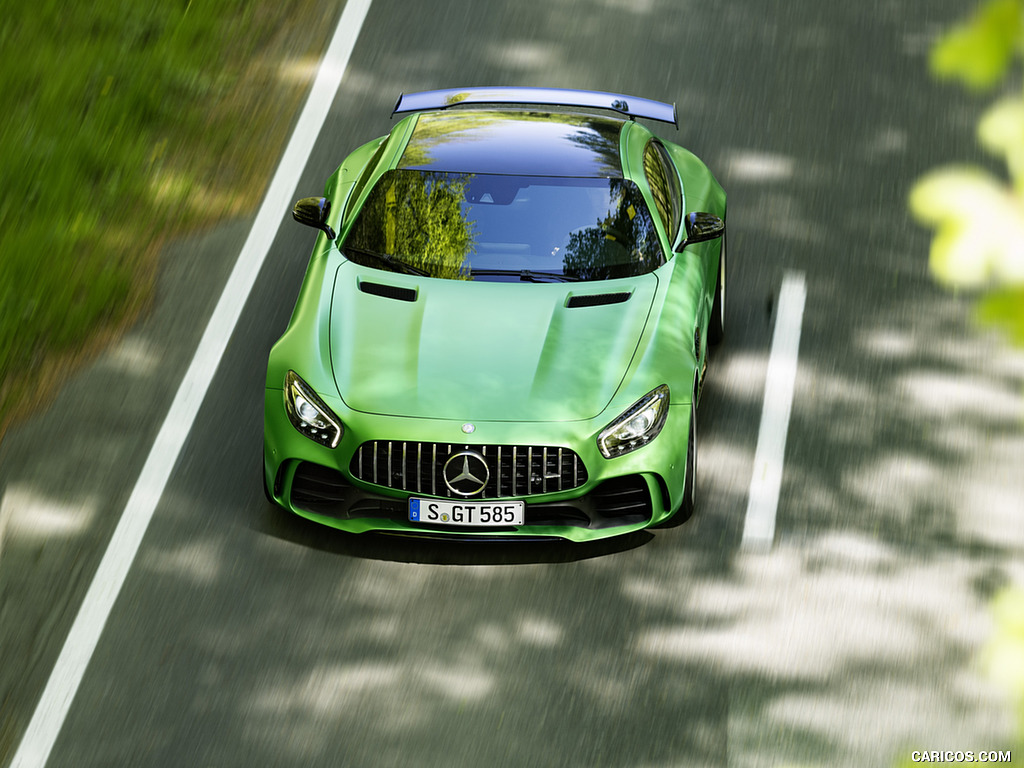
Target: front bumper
point(614, 497)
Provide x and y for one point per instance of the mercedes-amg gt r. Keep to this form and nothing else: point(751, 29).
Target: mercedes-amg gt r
point(503, 328)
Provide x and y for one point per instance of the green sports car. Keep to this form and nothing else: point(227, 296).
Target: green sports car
point(504, 324)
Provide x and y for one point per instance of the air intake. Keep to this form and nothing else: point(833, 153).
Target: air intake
point(596, 299)
point(388, 291)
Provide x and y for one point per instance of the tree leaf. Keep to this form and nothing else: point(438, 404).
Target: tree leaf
point(979, 50)
point(1001, 131)
point(1004, 310)
point(1004, 655)
point(979, 223)
point(952, 191)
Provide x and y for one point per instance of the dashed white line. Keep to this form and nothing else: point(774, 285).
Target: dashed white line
point(766, 481)
point(37, 743)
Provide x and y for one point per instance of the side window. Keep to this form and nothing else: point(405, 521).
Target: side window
point(661, 177)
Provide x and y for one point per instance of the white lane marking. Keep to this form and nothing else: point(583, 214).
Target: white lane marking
point(42, 732)
point(766, 481)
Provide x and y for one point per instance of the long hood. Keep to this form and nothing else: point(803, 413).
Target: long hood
point(477, 351)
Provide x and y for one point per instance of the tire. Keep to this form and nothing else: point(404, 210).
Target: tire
point(716, 328)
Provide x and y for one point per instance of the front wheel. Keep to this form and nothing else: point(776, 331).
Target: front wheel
point(716, 329)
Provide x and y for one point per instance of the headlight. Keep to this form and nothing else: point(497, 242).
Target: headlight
point(309, 414)
point(640, 424)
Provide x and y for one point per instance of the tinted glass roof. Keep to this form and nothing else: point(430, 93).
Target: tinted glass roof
point(515, 143)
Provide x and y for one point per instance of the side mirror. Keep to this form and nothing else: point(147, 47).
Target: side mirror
point(701, 227)
point(313, 212)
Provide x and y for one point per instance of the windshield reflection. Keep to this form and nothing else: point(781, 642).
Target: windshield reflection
point(501, 227)
point(418, 218)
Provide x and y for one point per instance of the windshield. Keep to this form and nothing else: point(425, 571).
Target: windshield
point(494, 227)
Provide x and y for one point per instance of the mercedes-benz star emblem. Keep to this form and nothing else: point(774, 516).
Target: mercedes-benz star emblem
point(469, 428)
point(466, 473)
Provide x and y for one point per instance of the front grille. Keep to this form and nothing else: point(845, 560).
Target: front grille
point(619, 501)
point(514, 470)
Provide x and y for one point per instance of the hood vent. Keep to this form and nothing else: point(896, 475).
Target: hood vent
point(597, 299)
point(388, 291)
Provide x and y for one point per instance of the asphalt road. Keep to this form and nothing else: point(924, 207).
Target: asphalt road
point(245, 637)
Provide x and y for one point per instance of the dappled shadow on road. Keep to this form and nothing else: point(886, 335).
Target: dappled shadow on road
point(321, 657)
point(66, 474)
point(900, 509)
point(247, 637)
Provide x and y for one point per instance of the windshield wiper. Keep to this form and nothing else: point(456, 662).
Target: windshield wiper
point(391, 261)
point(527, 276)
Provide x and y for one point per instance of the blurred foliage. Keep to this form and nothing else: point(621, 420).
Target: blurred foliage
point(978, 220)
point(979, 51)
point(1003, 307)
point(124, 122)
point(978, 217)
point(1004, 655)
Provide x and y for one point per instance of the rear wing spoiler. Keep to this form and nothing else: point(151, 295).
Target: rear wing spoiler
point(631, 106)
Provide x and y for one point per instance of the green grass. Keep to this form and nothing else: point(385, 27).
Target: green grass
point(125, 122)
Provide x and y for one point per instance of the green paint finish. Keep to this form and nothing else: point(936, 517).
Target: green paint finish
point(407, 358)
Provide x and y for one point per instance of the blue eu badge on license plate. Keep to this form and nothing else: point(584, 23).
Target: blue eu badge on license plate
point(414, 509)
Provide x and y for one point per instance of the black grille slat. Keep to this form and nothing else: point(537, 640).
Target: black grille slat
point(500, 469)
point(515, 471)
point(316, 485)
point(419, 465)
point(311, 492)
point(623, 496)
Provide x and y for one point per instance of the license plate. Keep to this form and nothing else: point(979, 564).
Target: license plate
point(460, 512)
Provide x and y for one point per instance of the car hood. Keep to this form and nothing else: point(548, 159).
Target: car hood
point(478, 351)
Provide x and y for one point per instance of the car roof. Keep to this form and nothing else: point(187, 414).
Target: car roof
point(521, 143)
